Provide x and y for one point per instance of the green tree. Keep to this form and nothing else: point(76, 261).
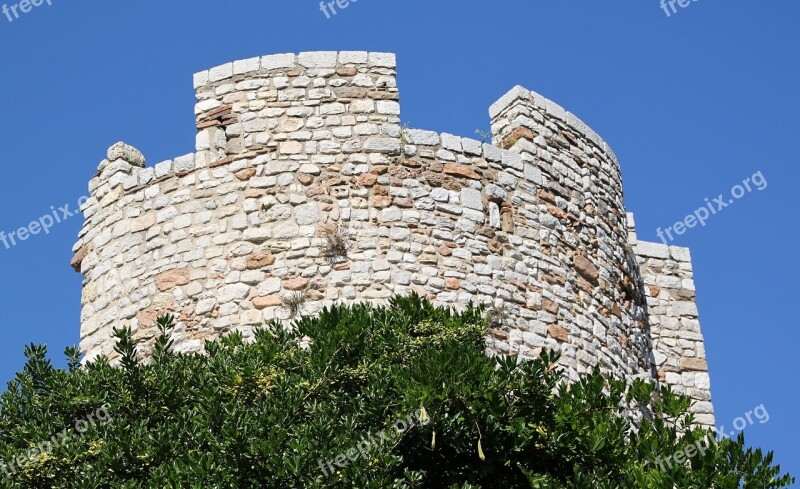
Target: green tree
point(395, 397)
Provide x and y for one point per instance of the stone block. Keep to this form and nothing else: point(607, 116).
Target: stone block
point(220, 72)
point(472, 199)
point(318, 59)
point(278, 61)
point(652, 250)
point(382, 60)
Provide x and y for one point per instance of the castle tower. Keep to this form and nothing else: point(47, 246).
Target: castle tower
point(294, 152)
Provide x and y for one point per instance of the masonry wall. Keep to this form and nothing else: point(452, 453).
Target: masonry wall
point(678, 347)
point(574, 210)
point(292, 148)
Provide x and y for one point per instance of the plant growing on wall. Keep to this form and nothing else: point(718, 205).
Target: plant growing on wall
point(404, 128)
point(486, 137)
point(337, 245)
point(496, 317)
point(295, 301)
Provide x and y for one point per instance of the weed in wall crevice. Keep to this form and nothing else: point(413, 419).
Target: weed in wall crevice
point(496, 318)
point(337, 245)
point(404, 128)
point(295, 302)
point(486, 137)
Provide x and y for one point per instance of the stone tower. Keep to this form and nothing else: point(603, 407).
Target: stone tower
point(295, 152)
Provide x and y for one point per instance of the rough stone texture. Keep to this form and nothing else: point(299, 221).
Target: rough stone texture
point(291, 147)
point(678, 347)
point(122, 151)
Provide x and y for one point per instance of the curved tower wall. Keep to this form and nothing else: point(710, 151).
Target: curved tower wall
point(293, 149)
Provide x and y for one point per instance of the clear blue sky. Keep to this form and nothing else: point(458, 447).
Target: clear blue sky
point(692, 104)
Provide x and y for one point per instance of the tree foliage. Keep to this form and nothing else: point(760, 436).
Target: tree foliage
point(274, 413)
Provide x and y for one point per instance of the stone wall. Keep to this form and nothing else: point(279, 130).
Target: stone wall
point(296, 150)
point(678, 347)
point(574, 222)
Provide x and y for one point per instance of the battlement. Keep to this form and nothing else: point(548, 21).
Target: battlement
point(294, 149)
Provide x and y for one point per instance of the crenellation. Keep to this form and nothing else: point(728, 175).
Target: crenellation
point(293, 147)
